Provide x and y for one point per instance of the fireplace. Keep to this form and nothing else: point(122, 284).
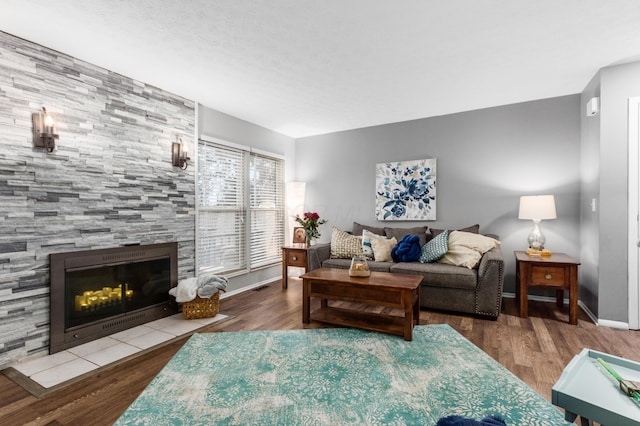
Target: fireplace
point(95, 293)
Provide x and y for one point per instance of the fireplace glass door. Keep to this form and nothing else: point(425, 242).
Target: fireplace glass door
point(94, 294)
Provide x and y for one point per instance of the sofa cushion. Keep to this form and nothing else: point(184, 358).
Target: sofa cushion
point(474, 229)
point(435, 248)
point(439, 275)
point(399, 233)
point(346, 264)
point(466, 249)
point(345, 245)
point(358, 228)
point(382, 248)
point(367, 238)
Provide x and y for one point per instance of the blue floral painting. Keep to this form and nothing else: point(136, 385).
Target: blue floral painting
point(406, 190)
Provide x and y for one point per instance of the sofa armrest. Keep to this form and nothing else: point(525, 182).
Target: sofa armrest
point(318, 254)
point(490, 283)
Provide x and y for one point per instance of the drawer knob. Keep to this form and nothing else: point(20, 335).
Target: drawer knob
point(548, 276)
point(294, 258)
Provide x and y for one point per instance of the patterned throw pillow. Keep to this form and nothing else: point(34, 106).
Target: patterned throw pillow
point(435, 248)
point(345, 245)
point(367, 239)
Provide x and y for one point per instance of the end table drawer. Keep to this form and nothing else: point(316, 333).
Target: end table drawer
point(297, 258)
point(548, 275)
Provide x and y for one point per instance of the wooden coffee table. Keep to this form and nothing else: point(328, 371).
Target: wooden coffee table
point(380, 288)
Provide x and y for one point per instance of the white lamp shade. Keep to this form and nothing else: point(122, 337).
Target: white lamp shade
point(537, 207)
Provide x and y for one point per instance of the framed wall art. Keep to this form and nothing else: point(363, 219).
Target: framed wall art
point(406, 190)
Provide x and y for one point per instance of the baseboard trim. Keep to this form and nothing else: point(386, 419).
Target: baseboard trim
point(587, 311)
point(613, 324)
point(248, 287)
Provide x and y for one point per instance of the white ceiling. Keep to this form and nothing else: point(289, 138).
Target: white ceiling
point(306, 67)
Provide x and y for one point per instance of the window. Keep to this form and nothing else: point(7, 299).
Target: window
point(240, 208)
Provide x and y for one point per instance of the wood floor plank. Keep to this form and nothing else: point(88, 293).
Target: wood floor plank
point(535, 349)
point(543, 336)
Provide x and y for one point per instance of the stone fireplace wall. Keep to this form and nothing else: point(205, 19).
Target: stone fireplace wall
point(110, 181)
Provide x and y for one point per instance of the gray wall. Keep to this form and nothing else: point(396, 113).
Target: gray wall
point(486, 159)
point(215, 124)
point(109, 182)
point(617, 85)
point(590, 190)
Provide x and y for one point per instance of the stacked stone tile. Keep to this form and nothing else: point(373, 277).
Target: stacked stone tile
point(109, 182)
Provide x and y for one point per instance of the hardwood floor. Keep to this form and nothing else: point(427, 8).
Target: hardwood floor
point(535, 349)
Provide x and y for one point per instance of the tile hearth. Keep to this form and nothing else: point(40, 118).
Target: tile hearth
point(54, 370)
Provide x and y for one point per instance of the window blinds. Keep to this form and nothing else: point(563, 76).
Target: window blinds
point(221, 233)
point(240, 208)
point(267, 210)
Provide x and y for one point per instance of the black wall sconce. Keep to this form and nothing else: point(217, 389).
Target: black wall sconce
point(179, 154)
point(44, 135)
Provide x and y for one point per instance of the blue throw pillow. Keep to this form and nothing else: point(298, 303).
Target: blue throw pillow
point(434, 249)
point(407, 250)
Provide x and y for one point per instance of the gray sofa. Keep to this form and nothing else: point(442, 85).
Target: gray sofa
point(475, 291)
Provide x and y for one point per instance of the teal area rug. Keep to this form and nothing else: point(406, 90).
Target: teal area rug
point(334, 377)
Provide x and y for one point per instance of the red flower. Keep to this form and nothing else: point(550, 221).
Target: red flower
point(310, 223)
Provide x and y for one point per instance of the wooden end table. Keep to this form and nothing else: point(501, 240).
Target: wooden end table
point(297, 256)
point(558, 271)
point(380, 288)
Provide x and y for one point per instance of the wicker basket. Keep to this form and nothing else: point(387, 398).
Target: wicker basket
point(201, 307)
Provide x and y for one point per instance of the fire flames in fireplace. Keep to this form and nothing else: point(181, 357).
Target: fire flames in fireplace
point(104, 298)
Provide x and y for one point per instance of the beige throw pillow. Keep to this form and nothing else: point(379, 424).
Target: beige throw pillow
point(345, 245)
point(382, 248)
point(367, 248)
point(473, 241)
point(461, 256)
point(466, 249)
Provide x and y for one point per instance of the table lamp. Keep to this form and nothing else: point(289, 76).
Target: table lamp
point(537, 208)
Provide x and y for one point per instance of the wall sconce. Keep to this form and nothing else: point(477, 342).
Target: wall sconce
point(179, 154)
point(44, 135)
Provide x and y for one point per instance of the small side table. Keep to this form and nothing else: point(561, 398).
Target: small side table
point(585, 389)
point(558, 271)
point(293, 256)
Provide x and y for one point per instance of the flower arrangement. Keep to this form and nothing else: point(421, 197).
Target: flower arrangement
point(310, 222)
